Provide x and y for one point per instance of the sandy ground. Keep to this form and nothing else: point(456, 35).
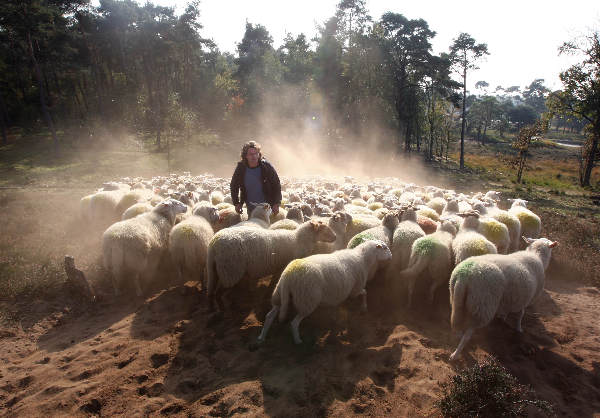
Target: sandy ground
point(167, 355)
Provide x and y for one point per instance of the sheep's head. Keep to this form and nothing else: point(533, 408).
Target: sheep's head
point(518, 202)
point(382, 251)
point(471, 219)
point(322, 232)
point(170, 208)
point(447, 226)
point(542, 246)
point(210, 213)
point(339, 221)
point(261, 211)
point(390, 220)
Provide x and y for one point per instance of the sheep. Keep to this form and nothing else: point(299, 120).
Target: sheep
point(383, 232)
point(324, 280)
point(259, 218)
point(496, 232)
point(281, 214)
point(437, 204)
point(492, 285)
point(531, 225)
point(257, 253)
point(431, 253)
point(428, 225)
point(358, 224)
point(217, 197)
point(136, 244)
point(295, 213)
point(285, 224)
point(136, 210)
point(338, 223)
point(407, 232)
point(103, 207)
point(188, 241)
point(227, 217)
point(468, 242)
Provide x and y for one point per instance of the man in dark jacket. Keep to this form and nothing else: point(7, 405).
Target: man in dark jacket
point(257, 180)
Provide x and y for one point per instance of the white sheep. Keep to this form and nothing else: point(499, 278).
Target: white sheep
point(234, 253)
point(136, 210)
point(531, 224)
point(407, 232)
point(324, 280)
point(136, 245)
point(188, 242)
point(383, 232)
point(431, 254)
point(468, 241)
point(496, 232)
point(259, 218)
point(495, 285)
point(338, 223)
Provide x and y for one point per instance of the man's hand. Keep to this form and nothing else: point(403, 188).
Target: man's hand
point(238, 208)
point(275, 209)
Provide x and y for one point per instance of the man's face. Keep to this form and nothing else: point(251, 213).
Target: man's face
point(252, 157)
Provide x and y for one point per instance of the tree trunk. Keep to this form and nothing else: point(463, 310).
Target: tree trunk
point(591, 155)
point(464, 120)
point(3, 120)
point(40, 80)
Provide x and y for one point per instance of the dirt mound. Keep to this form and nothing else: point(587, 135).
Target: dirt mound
point(168, 355)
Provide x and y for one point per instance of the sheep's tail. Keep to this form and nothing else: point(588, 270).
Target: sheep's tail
point(415, 267)
point(114, 257)
point(458, 300)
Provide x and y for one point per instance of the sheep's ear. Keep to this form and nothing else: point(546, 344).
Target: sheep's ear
point(554, 244)
point(527, 240)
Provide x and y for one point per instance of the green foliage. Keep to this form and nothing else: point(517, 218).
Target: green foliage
point(487, 389)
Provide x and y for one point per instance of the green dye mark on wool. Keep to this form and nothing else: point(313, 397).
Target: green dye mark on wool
point(424, 246)
point(493, 229)
point(429, 213)
point(187, 231)
point(360, 238)
point(465, 268)
point(527, 220)
point(297, 266)
point(375, 205)
point(477, 247)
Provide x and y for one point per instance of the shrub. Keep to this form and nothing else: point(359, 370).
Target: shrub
point(487, 389)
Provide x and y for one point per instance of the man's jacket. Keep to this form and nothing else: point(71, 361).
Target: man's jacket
point(269, 178)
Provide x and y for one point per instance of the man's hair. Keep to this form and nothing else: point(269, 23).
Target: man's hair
point(247, 146)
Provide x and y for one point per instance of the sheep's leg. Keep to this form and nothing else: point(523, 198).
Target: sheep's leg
point(203, 276)
point(432, 290)
point(180, 277)
point(268, 322)
point(115, 283)
point(138, 287)
point(466, 337)
point(410, 290)
point(219, 298)
point(295, 324)
point(363, 298)
point(519, 319)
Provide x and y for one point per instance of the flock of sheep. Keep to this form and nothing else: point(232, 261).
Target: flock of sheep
point(327, 242)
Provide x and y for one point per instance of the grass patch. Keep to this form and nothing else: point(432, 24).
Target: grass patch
point(487, 389)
